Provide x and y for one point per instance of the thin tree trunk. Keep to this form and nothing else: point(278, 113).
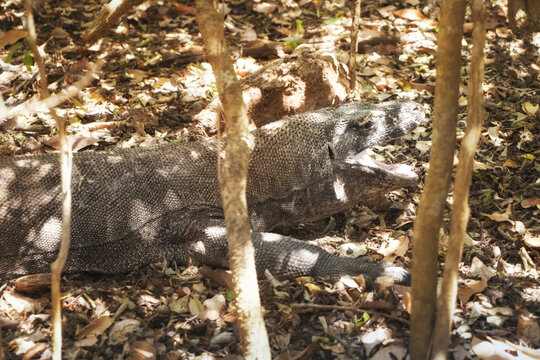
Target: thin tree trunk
point(433, 202)
point(232, 175)
point(460, 208)
point(65, 174)
point(354, 44)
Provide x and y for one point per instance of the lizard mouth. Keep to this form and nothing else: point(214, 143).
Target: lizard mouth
point(403, 171)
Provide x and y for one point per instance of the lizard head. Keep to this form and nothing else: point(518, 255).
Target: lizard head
point(357, 176)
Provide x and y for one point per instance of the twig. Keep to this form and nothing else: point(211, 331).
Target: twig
point(46, 103)
point(315, 307)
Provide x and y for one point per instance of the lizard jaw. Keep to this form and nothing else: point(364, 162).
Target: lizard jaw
point(400, 170)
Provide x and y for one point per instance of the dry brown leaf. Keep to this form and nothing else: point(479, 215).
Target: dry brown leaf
point(12, 36)
point(59, 33)
point(142, 350)
point(511, 163)
point(470, 288)
point(527, 203)
point(183, 9)
point(479, 269)
point(120, 330)
point(96, 327)
point(528, 330)
point(220, 277)
point(407, 298)
point(195, 307)
point(409, 14)
point(532, 241)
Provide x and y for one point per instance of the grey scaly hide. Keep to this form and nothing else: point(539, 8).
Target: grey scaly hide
point(133, 207)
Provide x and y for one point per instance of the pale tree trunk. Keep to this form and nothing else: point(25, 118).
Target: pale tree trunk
point(354, 45)
point(462, 183)
point(433, 202)
point(65, 174)
point(232, 175)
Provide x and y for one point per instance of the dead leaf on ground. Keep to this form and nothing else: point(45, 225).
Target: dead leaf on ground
point(409, 14)
point(528, 330)
point(502, 350)
point(96, 327)
point(470, 288)
point(479, 269)
point(213, 307)
point(12, 36)
point(527, 203)
point(532, 241)
point(142, 350)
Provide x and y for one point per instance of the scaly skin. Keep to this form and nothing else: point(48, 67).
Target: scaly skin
point(133, 207)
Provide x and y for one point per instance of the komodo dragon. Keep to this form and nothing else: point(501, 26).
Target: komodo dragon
point(132, 207)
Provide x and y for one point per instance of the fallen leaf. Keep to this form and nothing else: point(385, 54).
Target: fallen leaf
point(142, 350)
point(59, 33)
point(183, 9)
point(478, 268)
point(195, 306)
point(528, 330)
point(409, 14)
point(470, 288)
point(264, 8)
point(120, 330)
point(12, 36)
point(21, 304)
point(529, 108)
point(532, 241)
point(220, 277)
point(213, 307)
point(527, 203)
point(96, 327)
point(180, 306)
point(511, 163)
point(395, 351)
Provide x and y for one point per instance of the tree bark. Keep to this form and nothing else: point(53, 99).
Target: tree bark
point(65, 174)
point(354, 44)
point(433, 202)
point(460, 208)
point(232, 175)
point(524, 16)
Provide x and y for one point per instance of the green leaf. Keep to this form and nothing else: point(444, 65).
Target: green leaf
point(28, 60)
point(299, 27)
point(488, 194)
point(331, 21)
point(11, 51)
point(144, 43)
point(230, 295)
point(292, 44)
point(362, 320)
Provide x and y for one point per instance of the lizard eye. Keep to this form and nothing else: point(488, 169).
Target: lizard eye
point(366, 125)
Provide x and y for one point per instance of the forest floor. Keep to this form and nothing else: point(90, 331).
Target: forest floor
point(155, 79)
